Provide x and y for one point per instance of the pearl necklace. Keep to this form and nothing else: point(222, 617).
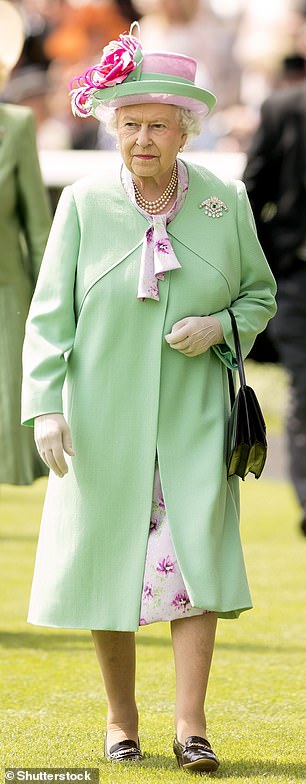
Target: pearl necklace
point(157, 205)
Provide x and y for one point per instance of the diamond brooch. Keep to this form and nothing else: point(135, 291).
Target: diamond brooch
point(213, 207)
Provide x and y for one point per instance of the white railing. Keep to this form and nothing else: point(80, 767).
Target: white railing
point(62, 167)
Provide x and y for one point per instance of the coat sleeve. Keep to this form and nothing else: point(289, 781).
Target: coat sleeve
point(255, 303)
point(33, 203)
point(50, 327)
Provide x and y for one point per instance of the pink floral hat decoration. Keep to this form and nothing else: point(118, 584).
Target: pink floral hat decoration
point(127, 75)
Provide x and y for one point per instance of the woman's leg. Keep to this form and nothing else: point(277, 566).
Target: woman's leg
point(193, 643)
point(117, 660)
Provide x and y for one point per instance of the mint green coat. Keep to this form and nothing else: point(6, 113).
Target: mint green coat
point(127, 393)
point(25, 221)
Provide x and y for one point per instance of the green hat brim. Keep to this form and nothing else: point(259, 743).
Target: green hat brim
point(184, 93)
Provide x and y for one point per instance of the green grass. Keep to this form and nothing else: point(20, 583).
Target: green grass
point(54, 706)
point(271, 384)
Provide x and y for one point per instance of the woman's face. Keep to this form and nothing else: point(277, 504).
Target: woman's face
point(149, 138)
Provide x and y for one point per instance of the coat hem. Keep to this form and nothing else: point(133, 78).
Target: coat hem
point(226, 614)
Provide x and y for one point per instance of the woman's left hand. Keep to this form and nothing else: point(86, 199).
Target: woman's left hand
point(195, 334)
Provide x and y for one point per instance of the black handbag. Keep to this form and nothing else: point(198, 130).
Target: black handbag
point(247, 443)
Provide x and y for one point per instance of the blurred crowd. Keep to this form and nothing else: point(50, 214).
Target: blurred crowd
point(245, 50)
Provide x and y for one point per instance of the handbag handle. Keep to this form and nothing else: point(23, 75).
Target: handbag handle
point(239, 359)
point(238, 351)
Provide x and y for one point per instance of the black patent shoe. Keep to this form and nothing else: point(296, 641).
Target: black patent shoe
point(125, 750)
point(195, 755)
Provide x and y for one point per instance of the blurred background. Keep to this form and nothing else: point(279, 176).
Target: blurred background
point(245, 48)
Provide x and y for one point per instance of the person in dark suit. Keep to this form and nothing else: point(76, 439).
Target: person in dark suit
point(275, 178)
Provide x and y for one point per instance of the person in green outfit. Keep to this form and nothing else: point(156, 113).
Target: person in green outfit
point(25, 221)
point(130, 315)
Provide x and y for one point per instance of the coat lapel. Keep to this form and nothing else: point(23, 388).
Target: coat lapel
point(118, 233)
point(192, 227)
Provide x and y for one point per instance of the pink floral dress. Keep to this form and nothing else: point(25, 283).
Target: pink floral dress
point(164, 595)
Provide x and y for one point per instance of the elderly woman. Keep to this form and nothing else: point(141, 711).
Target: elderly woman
point(140, 523)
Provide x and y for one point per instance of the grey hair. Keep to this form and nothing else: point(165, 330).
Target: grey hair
point(190, 122)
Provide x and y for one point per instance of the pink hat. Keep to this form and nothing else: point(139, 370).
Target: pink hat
point(126, 75)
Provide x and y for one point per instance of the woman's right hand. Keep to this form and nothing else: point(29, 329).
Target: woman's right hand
point(53, 438)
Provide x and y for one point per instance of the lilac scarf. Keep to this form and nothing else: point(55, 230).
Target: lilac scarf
point(157, 255)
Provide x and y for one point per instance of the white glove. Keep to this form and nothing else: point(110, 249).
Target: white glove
point(53, 438)
point(195, 334)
